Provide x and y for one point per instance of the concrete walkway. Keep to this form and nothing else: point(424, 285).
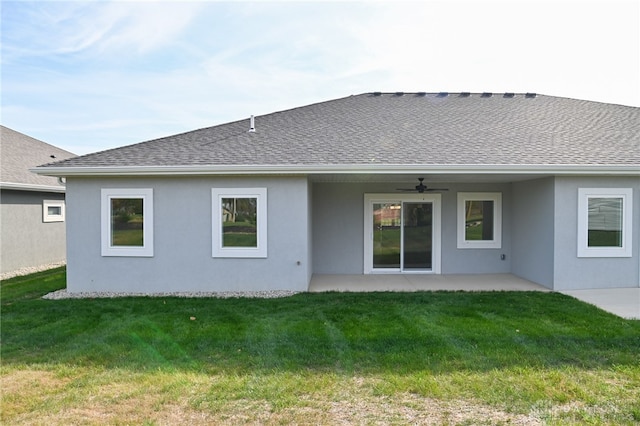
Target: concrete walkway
point(624, 302)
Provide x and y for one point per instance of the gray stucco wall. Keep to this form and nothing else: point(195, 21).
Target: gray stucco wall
point(26, 240)
point(338, 239)
point(309, 260)
point(533, 230)
point(182, 258)
point(572, 272)
point(318, 228)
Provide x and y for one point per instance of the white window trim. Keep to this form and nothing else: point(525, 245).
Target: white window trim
point(496, 197)
point(583, 222)
point(46, 217)
point(147, 227)
point(218, 251)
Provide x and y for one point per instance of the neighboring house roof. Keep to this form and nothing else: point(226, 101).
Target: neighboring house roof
point(380, 132)
point(19, 153)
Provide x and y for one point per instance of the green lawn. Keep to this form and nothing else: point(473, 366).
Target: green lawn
point(417, 246)
point(386, 247)
point(239, 234)
point(128, 231)
point(473, 233)
point(128, 237)
point(375, 358)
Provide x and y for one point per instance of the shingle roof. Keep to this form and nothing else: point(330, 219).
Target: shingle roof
point(19, 153)
point(403, 129)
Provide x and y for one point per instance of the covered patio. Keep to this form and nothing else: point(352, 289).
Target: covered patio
point(422, 282)
point(624, 302)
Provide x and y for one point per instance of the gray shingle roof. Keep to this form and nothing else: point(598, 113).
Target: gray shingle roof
point(404, 129)
point(19, 153)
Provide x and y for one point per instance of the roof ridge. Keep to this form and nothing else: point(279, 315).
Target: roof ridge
point(460, 94)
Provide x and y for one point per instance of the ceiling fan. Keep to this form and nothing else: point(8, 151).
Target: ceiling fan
point(421, 187)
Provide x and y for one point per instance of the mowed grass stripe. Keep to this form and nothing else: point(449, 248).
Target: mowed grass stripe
point(413, 331)
point(542, 355)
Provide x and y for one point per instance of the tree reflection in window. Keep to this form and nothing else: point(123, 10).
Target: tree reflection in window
point(239, 222)
point(127, 222)
point(479, 220)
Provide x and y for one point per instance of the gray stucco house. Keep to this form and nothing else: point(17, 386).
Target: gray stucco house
point(32, 207)
point(542, 187)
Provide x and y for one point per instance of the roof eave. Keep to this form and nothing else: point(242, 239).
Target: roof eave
point(31, 187)
point(622, 170)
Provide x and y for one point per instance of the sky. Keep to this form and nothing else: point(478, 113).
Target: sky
point(89, 76)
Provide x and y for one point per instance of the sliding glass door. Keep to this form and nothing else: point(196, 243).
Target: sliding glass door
point(402, 234)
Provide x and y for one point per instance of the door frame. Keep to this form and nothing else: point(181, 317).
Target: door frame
point(434, 198)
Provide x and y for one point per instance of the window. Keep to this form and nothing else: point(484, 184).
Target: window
point(239, 222)
point(127, 222)
point(53, 210)
point(604, 222)
point(479, 220)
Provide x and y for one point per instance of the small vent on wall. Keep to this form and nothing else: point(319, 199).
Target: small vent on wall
point(486, 95)
point(509, 95)
point(443, 94)
point(530, 95)
point(465, 94)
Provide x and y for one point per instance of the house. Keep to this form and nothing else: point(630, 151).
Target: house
point(541, 187)
point(32, 207)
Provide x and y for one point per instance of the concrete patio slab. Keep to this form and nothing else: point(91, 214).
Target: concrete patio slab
point(421, 282)
point(624, 302)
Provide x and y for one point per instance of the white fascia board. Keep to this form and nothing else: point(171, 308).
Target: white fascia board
point(339, 169)
point(31, 187)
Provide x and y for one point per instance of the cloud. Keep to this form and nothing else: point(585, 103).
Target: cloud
point(90, 74)
point(147, 27)
point(95, 28)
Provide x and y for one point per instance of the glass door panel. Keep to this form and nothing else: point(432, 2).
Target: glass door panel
point(387, 221)
point(417, 235)
point(402, 234)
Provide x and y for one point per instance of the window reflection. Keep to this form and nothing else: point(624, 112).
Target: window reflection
point(605, 222)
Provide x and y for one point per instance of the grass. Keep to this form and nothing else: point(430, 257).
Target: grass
point(400, 358)
point(128, 237)
point(129, 230)
point(239, 234)
point(473, 233)
point(417, 247)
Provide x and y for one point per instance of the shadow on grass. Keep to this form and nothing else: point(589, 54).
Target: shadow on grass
point(339, 332)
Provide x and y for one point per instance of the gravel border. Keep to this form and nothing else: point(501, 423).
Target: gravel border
point(31, 270)
point(271, 294)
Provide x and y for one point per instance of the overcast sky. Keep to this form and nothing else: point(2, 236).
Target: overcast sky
point(87, 76)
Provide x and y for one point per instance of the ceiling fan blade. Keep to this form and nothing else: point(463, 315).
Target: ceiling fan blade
point(421, 188)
